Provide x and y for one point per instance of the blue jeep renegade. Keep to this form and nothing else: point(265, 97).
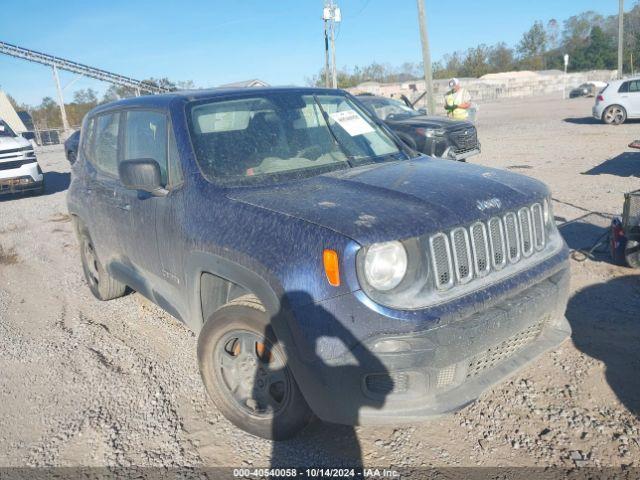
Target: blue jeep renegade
point(328, 269)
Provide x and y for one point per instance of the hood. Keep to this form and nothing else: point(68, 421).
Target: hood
point(10, 143)
point(427, 121)
point(397, 200)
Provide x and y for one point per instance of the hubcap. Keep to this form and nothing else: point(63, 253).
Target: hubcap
point(614, 115)
point(253, 373)
point(92, 263)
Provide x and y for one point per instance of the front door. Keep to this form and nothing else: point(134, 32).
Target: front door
point(145, 136)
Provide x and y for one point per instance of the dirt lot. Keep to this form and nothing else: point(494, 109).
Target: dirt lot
point(116, 383)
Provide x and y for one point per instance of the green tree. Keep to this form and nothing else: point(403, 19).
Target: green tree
point(501, 58)
point(532, 47)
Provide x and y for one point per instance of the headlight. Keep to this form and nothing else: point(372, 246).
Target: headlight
point(385, 265)
point(430, 132)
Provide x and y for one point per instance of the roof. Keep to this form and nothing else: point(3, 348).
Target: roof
point(166, 99)
point(246, 83)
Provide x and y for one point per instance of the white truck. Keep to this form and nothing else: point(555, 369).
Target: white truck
point(19, 169)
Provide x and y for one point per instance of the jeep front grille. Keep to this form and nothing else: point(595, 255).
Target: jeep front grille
point(470, 253)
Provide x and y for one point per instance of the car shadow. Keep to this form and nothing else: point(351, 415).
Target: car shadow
point(593, 121)
point(627, 164)
point(582, 120)
point(55, 182)
point(605, 319)
point(323, 443)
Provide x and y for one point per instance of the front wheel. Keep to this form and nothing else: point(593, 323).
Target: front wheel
point(102, 285)
point(614, 115)
point(246, 374)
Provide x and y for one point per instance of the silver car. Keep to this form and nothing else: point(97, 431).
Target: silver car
point(619, 100)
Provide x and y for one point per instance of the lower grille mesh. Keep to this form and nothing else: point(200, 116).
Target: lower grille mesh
point(494, 355)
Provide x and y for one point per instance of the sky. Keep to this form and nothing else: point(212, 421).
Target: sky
point(214, 42)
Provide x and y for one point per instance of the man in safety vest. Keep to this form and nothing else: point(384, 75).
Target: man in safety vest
point(457, 101)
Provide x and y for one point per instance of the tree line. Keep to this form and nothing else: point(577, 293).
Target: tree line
point(590, 40)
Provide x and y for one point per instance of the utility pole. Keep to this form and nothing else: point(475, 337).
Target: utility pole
point(331, 13)
point(426, 56)
point(326, 53)
point(63, 112)
point(620, 37)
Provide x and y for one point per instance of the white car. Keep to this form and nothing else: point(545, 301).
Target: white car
point(619, 100)
point(19, 169)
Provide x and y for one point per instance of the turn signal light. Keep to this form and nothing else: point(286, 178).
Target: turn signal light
point(331, 268)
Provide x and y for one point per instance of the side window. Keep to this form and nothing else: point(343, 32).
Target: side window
point(634, 86)
point(87, 139)
point(104, 148)
point(146, 137)
point(175, 170)
point(624, 88)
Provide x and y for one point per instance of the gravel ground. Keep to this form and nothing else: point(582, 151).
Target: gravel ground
point(116, 383)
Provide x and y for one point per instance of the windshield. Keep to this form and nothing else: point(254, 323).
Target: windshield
point(5, 131)
point(387, 108)
point(285, 133)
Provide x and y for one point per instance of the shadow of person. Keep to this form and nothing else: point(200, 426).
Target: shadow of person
point(323, 444)
point(627, 164)
point(605, 320)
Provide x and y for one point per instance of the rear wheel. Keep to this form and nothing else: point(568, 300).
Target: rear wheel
point(614, 115)
point(102, 285)
point(246, 374)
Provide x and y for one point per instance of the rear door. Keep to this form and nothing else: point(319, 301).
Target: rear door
point(633, 98)
point(102, 186)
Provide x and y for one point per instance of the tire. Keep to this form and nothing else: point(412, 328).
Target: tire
point(614, 115)
point(632, 253)
point(257, 395)
point(102, 285)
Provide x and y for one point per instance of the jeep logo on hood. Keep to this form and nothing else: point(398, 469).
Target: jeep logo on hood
point(487, 204)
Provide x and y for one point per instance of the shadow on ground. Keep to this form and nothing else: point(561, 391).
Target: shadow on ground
point(582, 121)
point(605, 319)
point(594, 121)
point(54, 182)
point(626, 164)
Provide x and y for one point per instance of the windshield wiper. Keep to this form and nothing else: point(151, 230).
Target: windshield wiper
point(325, 116)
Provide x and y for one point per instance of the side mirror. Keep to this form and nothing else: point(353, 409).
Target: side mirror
point(141, 174)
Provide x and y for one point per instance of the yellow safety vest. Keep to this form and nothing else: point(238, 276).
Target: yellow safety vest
point(455, 98)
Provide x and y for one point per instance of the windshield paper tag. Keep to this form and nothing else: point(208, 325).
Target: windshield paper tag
point(353, 123)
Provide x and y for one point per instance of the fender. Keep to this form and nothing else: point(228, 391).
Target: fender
point(272, 297)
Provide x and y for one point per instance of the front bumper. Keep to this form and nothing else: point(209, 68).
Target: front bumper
point(437, 370)
point(451, 154)
point(26, 177)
